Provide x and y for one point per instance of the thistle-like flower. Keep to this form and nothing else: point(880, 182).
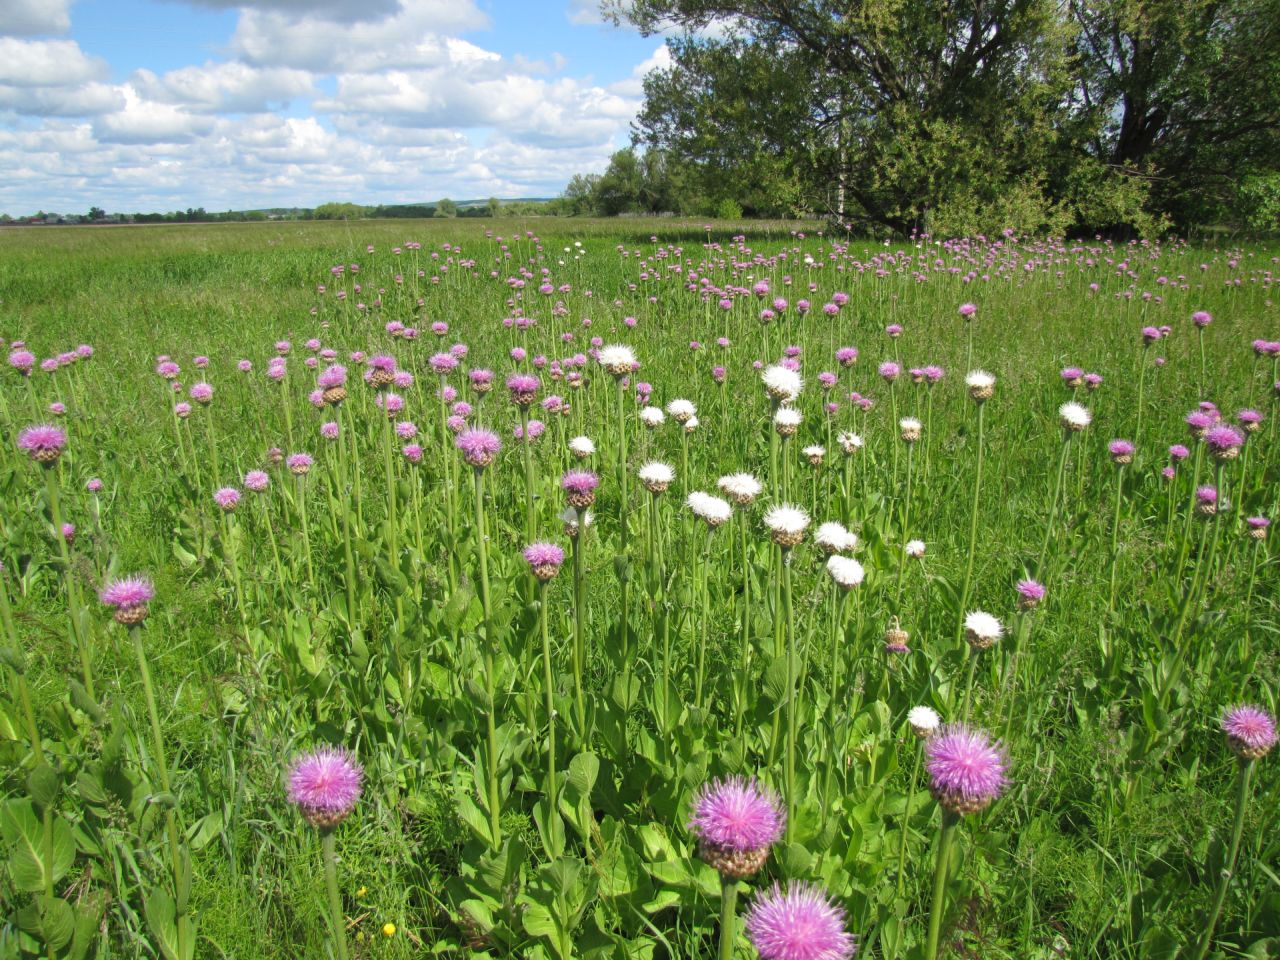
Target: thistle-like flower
point(786, 420)
point(617, 359)
point(736, 821)
point(741, 488)
point(815, 454)
point(845, 572)
point(580, 488)
point(849, 442)
point(1250, 730)
point(924, 721)
point(832, 537)
point(129, 598)
point(711, 510)
point(982, 630)
point(681, 411)
point(1030, 593)
point(582, 447)
point(787, 524)
point(910, 429)
point(800, 923)
point(981, 385)
point(1074, 417)
point(43, 443)
point(324, 784)
point(967, 771)
point(652, 417)
point(544, 560)
point(479, 447)
point(656, 477)
point(782, 384)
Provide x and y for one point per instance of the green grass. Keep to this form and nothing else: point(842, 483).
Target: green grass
point(1110, 838)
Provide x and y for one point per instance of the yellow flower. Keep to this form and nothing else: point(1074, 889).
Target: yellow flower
point(388, 929)
point(362, 891)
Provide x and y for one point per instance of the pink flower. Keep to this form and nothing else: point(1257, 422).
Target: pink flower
point(43, 443)
point(1250, 730)
point(324, 784)
point(737, 815)
point(479, 447)
point(966, 770)
point(129, 598)
point(801, 923)
point(226, 498)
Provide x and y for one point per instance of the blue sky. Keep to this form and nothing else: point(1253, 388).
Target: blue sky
point(228, 104)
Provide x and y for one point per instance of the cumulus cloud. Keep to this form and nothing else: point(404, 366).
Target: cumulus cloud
point(225, 87)
point(34, 17)
point(44, 63)
point(146, 121)
point(413, 36)
point(342, 11)
point(633, 86)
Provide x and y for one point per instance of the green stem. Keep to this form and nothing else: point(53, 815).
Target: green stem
point(73, 588)
point(1053, 506)
point(791, 694)
point(337, 918)
point(1115, 540)
point(491, 728)
point(1244, 775)
point(579, 614)
point(728, 916)
point(945, 837)
point(906, 822)
point(549, 699)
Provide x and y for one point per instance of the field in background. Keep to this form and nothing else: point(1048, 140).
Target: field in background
point(1110, 837)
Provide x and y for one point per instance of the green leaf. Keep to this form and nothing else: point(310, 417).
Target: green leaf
point(44, 783)
point(583, 770)
point(475, 818)
point(50, 919)
point(162, 921)
point(31, 867)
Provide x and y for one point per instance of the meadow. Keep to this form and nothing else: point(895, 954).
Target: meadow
point(636, 589)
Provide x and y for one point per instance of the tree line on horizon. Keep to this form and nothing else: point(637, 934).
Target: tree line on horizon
point(956, 117)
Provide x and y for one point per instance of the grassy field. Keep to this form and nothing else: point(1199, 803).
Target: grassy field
point(531, 753)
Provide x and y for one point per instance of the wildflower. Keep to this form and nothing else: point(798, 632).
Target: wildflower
point(681, 410)
point(1121, 452)
point(924, 721)
point(847, 356)
point(691, 424)
point(786, 420)
point(814, 454)
point(257, 481)
point(182, 410)
point(1030, 593)
point(736, 821)
point(93, 485)
point(967, 771)
point(1224, 442)
point(741, 488)
point(781, 384)
point(523, 388)
point(1072, 377)
point(849, 442)
point(129, 598)
point(1258, 527)
point(982, 385)
point(801, 923)
point(226, 498)
point(832, 537)
point(1202, 318)
point(1074, 417)
point(786, 524)
point(299, 464)
point(982, 630)
point(582, 447)
point(1250, 420)
point(43, 443)
point(711, 510)
point(910, 429)
point(967, 310)
point(1206, 500)
point(616, 359)
point(575, 521)
point(914, 549)
point(845, 572)
point(656, 476)
point(544, 559)
point(652, 417)
point(580, 488)
point(890, 371)
point(1250, 730)
point(324, 784)
point(479, 447)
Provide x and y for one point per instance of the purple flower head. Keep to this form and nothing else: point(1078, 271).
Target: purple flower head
point(544, 559)
point(967, 771)
point(536, 429)
point(324, 784)
point(523, 388)
point(226, 498)
point(479, 447)
point(406, 430)
point(43, 443)
point(801, 923)
point(1178, 452)
point(299, 463)
point(1168, 473)
point(1224, 442)
point(1072, 376)
point(1202, 318)
point(890, 370)
point(129, 598)
point(826, 380)
point(402, 379)
point(244, 366)
point(182, 409)
point(1250, 420)
point(1121, 451)
point(257, 481)
point(316, 399)
point(1207, 499)
point(93, 485)
point(24, 360)
point(1150, 334)
point(481, 380)
point(847, 356)
point(1258, 523)
point(580, 488)
point(168, 369)
point(718, 374)
point(283, 347)
point(413, 452)
point(49, 364)
point(967, 310)
point(1198, 422)
point(329, 430)
point(69, 532)
point(332, 376)
point(201, 393)
point(1250, 730)
point(737, 815)
point(1093, 380)
point(933, 373)
point(201, 361)
point(894, 330)
point(1030, 593)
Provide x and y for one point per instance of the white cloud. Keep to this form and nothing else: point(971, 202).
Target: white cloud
point(146, 121)
point(417, 35)
point(33, 17)
point(47, 63)
point(633, 86)
point(225, 87)
point(342, 11)
point(86, 100)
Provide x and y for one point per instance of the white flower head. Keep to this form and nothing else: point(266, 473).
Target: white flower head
point(782, 383)
point(652, 417)
point(910, 428)
point(814, 451)
point(656, 476)
point(845, 571)
point(569, 517)
point(849, 442)
point(982, 629)
point(924, 721)
point(786, 523)
point(833, 537)
point(617, 359)
point(979, 380)
point(914, 549)
point(1074, 416)
point(681, 410)
point(711, 509)
point(787, 417)
point(582, 447)
point(741, 488)
point(692, 424)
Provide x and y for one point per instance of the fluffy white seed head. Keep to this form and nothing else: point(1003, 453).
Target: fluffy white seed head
point(845, 571)
point(656, 472)
point(741, 488)
point(681, 410)
point(849, 442)
point(924, 721)
point(617, 359)
point(914, 549)
point(1074, 416)
point(834, 538)
point(712, 510)
point(582, 447)
point(787, 418)
point(652, 417)
point(786, 523)
point(781, 383)
point(983, 627)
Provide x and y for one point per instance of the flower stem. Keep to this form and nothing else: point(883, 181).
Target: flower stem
point(336, 917)
point(491, 727)
point(973, 530)
point(728, 916)
point(73, 588)
point(945, 837)
point(548, 696)
point(1244, 774)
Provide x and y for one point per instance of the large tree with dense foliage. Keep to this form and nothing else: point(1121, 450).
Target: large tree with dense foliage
point(963, 115)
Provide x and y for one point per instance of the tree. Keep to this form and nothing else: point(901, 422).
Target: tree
point(97, 213)
point(1186, 92)
point(446, 208)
